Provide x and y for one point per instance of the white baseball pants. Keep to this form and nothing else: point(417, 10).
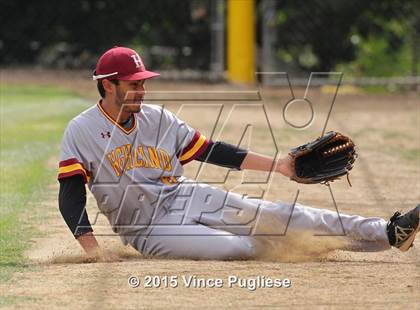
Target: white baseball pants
point(205, 222)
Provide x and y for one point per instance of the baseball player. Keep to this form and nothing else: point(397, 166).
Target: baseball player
point(131, 156)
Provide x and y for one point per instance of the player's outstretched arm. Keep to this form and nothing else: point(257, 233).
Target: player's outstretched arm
point(230, 156)
point(254, 161)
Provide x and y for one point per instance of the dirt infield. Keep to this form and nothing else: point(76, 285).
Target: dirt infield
point(386, 129)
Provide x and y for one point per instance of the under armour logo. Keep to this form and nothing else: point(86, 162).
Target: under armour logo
point(106, 134)
point(137, 61)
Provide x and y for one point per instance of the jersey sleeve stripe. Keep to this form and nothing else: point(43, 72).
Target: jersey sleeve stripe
point(72, 167)
point(197, 148)
point(194, 140)
point(68, 162)
point(74, 172)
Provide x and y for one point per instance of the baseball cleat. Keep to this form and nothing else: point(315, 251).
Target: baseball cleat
point(402, 229)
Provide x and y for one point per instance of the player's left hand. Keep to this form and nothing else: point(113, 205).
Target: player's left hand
point(323, 160)
point(285, 166)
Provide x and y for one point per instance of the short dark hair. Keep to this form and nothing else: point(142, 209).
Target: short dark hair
point(101, 89)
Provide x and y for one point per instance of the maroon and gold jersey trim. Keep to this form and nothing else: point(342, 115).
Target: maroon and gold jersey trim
point(196, 147)
point(115, 123)
point(70, 167)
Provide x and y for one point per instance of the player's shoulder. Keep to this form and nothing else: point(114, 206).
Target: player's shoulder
point(156, 110)
point(157, 114)
point(151, 111)
point(84, 118)
point(147, 108)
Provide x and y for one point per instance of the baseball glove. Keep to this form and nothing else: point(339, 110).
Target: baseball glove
point(323, 160)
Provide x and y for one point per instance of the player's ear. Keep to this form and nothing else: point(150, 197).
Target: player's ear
point(108, 86)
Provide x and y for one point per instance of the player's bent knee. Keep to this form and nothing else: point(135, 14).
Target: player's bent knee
point(239, 247)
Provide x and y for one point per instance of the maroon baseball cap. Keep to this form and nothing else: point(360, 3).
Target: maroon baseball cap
point(122, 63)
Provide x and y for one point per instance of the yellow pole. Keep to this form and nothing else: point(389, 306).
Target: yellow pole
point(241, 41)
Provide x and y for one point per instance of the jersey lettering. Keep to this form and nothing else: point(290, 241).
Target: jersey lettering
point(124, 158)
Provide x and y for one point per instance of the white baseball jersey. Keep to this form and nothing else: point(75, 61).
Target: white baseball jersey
point(130, 172)
point(136, 174)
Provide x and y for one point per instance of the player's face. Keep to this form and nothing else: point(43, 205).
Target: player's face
point(129, 95)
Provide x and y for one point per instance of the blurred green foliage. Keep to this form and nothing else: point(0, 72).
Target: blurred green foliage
point(361, 37)
point(374, 57)
point(80, 28)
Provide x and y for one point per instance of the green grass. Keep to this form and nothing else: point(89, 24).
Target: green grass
point(12, 300)
point(31, 126)
point(412, 155)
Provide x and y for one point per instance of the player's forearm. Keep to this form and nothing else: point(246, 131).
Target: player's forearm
point(89, 243)
point(254, 161)
point(72, 202)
